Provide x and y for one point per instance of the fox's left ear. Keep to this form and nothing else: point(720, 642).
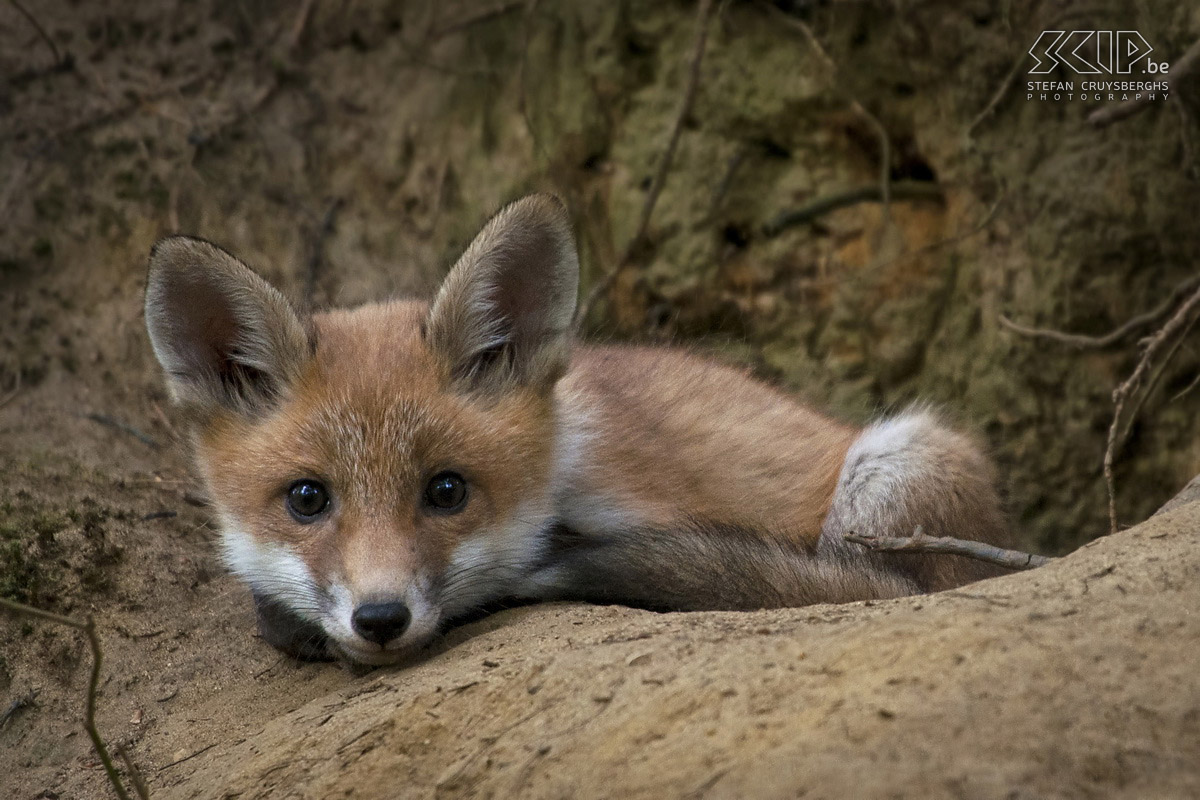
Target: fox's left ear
point(505, 311)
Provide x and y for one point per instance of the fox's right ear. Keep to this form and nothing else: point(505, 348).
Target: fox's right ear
point(503, 315)
point(225, 337)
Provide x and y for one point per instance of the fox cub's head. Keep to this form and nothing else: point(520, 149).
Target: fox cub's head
point(377, 470)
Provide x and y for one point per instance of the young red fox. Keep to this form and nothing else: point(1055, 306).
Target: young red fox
point(381, 470)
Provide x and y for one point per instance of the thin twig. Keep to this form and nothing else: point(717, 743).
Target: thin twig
point(58, 59)
point(703, 13)
point(885, 158)
point(885, 145)
point(115, 424)
point(317, 248)
point(1151, 383)
point(1115, 336)
point(8, 398)
point(1179, 395)
point(89, 629)
point(1180, 69)
point(135, 774)
point(953, 239)
point(731, 168)
point(1187, 156)
point(300, 24)
point(179, 761)
point(906, 190)
point(1180, 321)
point(475, 19)
point(1001, 93)
point(24, 701)
point(919, 542)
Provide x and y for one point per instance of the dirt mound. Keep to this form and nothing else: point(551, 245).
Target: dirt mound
point(1076, 680)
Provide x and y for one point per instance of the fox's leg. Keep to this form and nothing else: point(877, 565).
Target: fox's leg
point(912, 470)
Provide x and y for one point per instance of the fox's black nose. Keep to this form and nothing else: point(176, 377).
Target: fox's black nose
point(381, 622)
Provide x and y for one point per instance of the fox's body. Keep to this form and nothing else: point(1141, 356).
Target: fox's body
point(615, 474)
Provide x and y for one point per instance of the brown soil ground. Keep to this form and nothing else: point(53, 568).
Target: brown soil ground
point(245, 122)
point(1074, 680)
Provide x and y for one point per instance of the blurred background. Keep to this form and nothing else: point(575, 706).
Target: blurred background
point(847, 196)
point(349, 150)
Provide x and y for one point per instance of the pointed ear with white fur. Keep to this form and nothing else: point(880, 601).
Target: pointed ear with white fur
point(224, 336)
point(504, 314)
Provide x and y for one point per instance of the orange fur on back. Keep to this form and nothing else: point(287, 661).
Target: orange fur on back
point(673, 437)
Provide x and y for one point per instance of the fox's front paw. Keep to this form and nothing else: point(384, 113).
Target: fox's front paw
point(285, 631)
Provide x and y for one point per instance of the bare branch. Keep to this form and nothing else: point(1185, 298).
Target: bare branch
point(59, 61)
point(902, 190)
point(89, 629)
point(1114, 336)
point(920, 543)
point(300, 24)
point(24, 701)
point(885, 145)
point(1170, 333)
point(1001, 93)
point(703, 13)
point(953, 239)
point(8, 398)
point(117, 425)
point(135, 774)
point(479, 17)
point(1180, 69)
point(316, 248)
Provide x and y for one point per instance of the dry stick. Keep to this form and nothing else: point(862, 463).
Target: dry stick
point(1180, 69)
point(1188, 151)
point(1010, 79)
point(1180, 321)
point(8, 398)
point(522, 70)
point(885, 145)
point(179, 761)
point(1001, 93)
point(58, 60)
point(24, 701)
point(921, 543)
point(317, 248)
point(664, 165)
point(1151, 384)
point(300, 24)
point(475, 19)
point(89, 724)
point(731, 169)
point(1114, 336)
point(914, 190)
point(885, 158)
point(953, 239)
point(116, 424)
point(135, 774)
point(1186, 389)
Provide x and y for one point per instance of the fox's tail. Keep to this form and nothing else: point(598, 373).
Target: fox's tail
point(703, 567)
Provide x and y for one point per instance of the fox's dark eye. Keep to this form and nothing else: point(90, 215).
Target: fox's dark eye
point(306, 500)
point(447, 491)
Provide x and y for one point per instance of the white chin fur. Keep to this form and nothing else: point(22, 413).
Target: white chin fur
point(272, 570)
point(494, 563)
